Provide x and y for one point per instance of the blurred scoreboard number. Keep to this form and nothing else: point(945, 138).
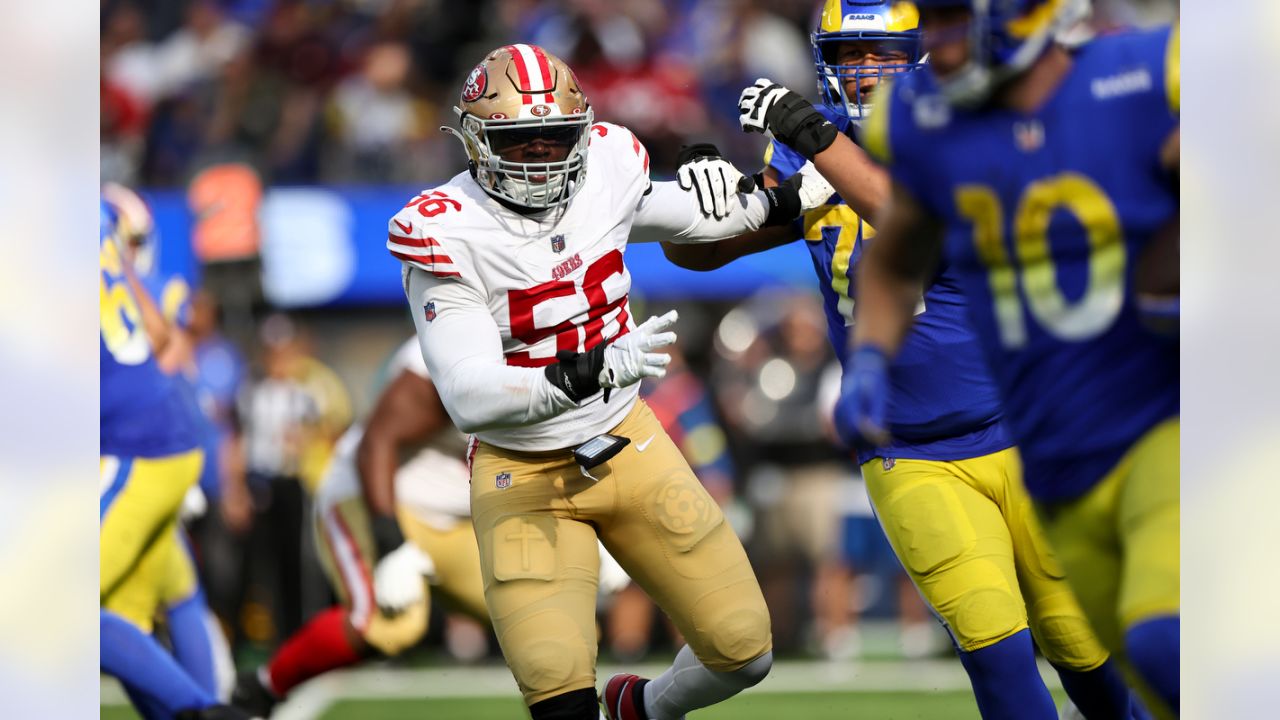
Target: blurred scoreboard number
point(224, 200)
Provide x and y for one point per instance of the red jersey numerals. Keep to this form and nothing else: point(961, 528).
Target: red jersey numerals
point(598, 308)
point(433, 203)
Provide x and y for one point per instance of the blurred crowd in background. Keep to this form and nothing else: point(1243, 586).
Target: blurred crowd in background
point(353, 91)
point(334, 92)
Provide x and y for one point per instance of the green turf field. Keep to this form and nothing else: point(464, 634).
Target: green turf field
point(885, 690)
point(771, 706)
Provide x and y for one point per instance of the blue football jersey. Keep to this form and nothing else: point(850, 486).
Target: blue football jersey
point(1045, 214)
point(142, 411)
point(944, 404)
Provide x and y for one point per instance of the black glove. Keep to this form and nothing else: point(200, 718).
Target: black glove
point(697, 150)
point(578, 374)
point(768, 106)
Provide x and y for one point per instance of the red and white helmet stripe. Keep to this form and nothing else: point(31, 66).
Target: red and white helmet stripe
point(530, 59)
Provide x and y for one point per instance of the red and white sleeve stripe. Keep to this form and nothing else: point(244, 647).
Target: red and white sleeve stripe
point(641, 151)
point(422, 252)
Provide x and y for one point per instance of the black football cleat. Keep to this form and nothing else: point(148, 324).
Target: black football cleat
point(252, 696)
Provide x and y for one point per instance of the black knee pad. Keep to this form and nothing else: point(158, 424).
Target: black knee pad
point(573, 705)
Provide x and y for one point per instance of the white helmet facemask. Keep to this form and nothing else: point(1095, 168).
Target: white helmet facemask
point(534, 185)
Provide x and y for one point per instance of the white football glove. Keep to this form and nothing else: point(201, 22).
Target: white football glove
point(770, 108)
point(814, 188)
point(714, 180)
point(612, 577)
point(754, 103)
point(628, 359)
point(398, 578)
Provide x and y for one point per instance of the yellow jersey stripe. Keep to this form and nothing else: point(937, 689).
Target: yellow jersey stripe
point(1173, 71)
point(1036, 21)
point(874, 135)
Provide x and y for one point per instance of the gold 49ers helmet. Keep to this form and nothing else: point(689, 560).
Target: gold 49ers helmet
point(517, 95)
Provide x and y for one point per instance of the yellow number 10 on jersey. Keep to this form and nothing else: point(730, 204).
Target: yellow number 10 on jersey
point(1033, 266)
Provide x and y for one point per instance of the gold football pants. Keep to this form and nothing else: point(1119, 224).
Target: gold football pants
point(537, 517)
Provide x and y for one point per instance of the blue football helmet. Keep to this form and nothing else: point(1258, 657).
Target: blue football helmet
point(1005, 38)
point(883, 29)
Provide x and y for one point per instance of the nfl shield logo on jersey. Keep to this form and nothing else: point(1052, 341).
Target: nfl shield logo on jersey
point(429, 311)
point(557, 243)
point(1028, 136)
point(502, 481)
point(888, 464)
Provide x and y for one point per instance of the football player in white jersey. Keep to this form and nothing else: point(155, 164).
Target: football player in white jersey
point(392, 517)
point(401, 476)
point(515, 277)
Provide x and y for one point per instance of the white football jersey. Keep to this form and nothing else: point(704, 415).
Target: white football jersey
point(432, 482)
point(552, 283)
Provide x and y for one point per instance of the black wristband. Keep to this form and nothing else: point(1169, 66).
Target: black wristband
point(798, 125)
point(784, 202)
point(577, 374)
point(386, 534)
point(813, 136)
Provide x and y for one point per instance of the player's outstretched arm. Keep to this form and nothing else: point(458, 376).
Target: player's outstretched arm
point(710, 256)
point(859, 181)
point(769, 107)
point(706, 204)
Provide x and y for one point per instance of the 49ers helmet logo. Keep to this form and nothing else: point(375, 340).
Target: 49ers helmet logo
point(476, 82)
